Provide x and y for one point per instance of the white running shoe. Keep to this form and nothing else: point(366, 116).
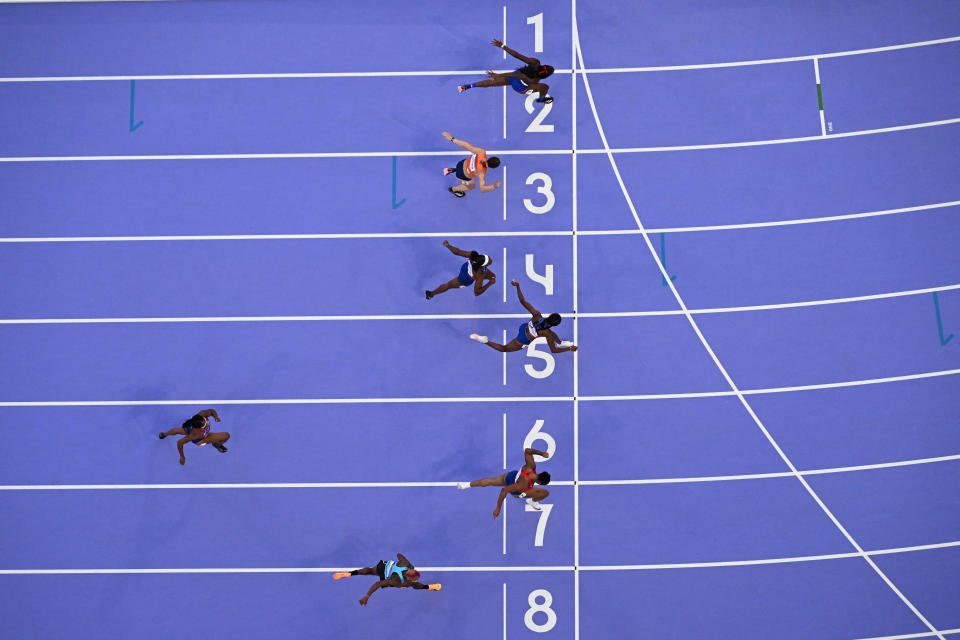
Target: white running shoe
point(463, 485)
point(479, 338)
point(535, 505)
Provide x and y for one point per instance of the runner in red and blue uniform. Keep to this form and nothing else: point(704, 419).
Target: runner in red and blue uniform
point(197, 431)
point(517, 483)
point(398, 574)
point(526, 79)
point(473, 272)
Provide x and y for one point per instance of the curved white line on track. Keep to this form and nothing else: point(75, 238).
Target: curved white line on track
point(748, 63)
point(729, 380)
point(399, 485)
point(483, 234)
point(385, 74)
point(499, 152)
point(658, 396)
point(478, 569)
point(480, 316)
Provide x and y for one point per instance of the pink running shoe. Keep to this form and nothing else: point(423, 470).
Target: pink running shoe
point(462, 87)
point(447, 171)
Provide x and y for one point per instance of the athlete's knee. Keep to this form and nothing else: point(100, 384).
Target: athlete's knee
point(226, 436)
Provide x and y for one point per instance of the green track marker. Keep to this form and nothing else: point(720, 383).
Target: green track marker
point(819, 97)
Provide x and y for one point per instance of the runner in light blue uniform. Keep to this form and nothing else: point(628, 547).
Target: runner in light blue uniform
point(473, 272)
point(398, 574)
point(537, 327)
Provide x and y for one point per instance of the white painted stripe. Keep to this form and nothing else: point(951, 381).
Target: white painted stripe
point(484, 569)
point(909, 636)
point(747, 63)
point(517, 152)
point(816, 69)
point(490, 234)
point(377, 74)
point(481, 316)
point(816, 72)
point(723, 371)
point(759, 143)
point(504, 603)
point(262, 76)
point(781, 474)
point(661, 396)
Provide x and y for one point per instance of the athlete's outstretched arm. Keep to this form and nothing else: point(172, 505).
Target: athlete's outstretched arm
point(463, 143)
point(523, 301)
point(455, 251)
point(206, 413)
point(516, 486)
point(490, 277)
point(182, 441)
point(554, 343)
point(528, 457)
point(482, 183)
point(519, 56)
point(376, 585)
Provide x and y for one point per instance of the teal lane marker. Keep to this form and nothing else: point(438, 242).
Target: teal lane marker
point(133, 127)
point(936, 305)
point(396, 204)
point(663, 259)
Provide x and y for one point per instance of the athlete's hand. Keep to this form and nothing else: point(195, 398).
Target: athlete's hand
point(573, 348)
point(492, 74)
point(446, 134)
point(496, 185)
point(183, 459)
point(515, 283)
point(363, 601)
point(497, 43)
point(446, 244)
point(217, 419)
point(492, 278)
point(496, 513)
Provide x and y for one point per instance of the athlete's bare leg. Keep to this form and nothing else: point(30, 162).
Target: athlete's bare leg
point(496, 481)
point(493, 82)
point(464, 186)
point(513, 345)
point(217, 438)
point(446, 286)
point(536, 493)
point(539, 88)
point(173, 432)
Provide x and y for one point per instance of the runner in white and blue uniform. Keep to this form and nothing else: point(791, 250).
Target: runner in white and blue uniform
point(526, 79)
point(537, 327)
point(473, 272)
point(398, 574)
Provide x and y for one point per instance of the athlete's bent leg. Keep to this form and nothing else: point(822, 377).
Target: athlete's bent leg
point(446, 286)
point(536, 493)
point(173, 432)
point(513, 345)
point(496, 481)
point(463, 187)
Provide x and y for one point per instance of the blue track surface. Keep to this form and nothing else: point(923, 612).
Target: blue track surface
point(765, 448)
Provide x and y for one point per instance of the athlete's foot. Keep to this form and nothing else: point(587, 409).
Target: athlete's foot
point(219, 447)
point(162, 436)
point(463, 87)
point(546, 100)
point(448, 171)
point(463, 485)
point(459, 194)
point(534, 504)
point(478, 338)
point(341, 574)
point(429, 295)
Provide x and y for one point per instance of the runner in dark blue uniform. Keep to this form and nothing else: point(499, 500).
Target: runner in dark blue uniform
point(473, 272)
point(398, 574)
point(524, 80)
point(537, 327)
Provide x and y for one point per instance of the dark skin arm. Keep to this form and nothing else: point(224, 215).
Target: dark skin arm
point(526, 305)
point(402, 559)
point(519, 56)
point(463, 143)
point(455, 251)
point(380, 584)
point(207, 413)
point(553, 342)
point(479, 288)
point(528, 460)
point(182, 441)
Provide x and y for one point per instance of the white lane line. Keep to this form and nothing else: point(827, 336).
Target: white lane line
point(482, 316)
point(503, 274)
point(262, 76)
point(492, 234)
point(747, 63)
point(760, 143)
point(516, 152)
point(733, 386)
point(910, 636)
point(400, 485)
point(484, 569)
point(504, 354)
point(661, 396)
point(503, 184)
point(379, 74)
point(504, 611)
point(780, 474)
